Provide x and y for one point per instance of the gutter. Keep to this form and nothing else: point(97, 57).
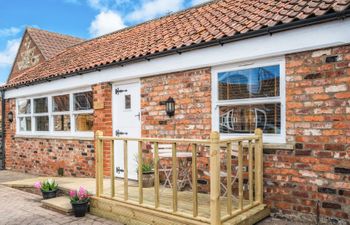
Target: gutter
point(250, 34)
point(3, 127)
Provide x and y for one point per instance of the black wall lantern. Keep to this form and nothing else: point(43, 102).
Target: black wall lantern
point(10, 117)
point(169, 106)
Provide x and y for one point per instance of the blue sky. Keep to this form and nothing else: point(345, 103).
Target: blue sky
point(81, 18)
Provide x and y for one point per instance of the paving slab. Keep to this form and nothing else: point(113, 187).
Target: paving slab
point(60, 204)
point(9, 175)
point(22, 208)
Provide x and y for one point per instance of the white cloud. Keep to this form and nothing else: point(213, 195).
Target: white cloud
point(106, 22)
point(101, 5)
point(197, 2)
point(9, 31)
point(8, 55)
point(154, 8)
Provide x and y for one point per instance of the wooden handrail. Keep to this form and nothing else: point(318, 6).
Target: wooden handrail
point(159, 140)
point(254, 156)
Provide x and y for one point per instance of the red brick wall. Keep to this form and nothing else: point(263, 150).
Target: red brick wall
point(317, 172)
point(45, 156)
point(103, 117)
point(191, 91)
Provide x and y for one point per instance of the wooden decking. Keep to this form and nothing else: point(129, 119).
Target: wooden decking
point(185, 199)
point(131, 203)
point(115, 208)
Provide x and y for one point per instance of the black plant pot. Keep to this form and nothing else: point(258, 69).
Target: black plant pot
point(49, 194)
point(80, 209)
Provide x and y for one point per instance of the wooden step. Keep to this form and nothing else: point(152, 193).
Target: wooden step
point(59, 204)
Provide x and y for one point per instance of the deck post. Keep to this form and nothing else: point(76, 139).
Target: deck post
point(259, 166)
point(215, 178)
point(98, 161)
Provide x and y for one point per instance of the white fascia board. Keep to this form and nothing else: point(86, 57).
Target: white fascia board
point(333, 33)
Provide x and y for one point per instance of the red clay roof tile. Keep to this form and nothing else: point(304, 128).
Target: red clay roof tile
point(214, 20)
point(50, 43)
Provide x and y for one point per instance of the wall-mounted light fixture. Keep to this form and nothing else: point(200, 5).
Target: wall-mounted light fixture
point(169, 106)
point(10, 116)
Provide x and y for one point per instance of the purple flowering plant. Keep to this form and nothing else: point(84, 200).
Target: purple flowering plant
point(79, 196)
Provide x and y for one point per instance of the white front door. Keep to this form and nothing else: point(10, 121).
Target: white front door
point(126, 123)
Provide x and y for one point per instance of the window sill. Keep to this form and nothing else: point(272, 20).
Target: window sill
point(274, 146)
point(80, 138)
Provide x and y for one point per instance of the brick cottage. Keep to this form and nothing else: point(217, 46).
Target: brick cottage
point(282, 66)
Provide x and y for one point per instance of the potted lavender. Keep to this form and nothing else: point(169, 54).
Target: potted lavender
point(80, 201)
point(48, 188)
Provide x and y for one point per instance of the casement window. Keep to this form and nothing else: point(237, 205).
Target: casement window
point(63, 114)
point(250, 96)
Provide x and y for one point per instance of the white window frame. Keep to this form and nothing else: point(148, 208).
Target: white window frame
point(268, 138)
point(72, 113)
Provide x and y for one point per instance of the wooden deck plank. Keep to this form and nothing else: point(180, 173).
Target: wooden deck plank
point(185, 199)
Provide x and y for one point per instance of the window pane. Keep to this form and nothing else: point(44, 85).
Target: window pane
point(127, 101)
point(249, 83)
point(61, 123)
point(60, 103)
point(25, 124)
point(42, 123)
point(24, 106)
point(245, 118)
point(84, 122)
point(83, 101)
point(40, 105)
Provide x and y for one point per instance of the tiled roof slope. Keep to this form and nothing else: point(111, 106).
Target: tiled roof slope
point(50, 43)
point(208, 22)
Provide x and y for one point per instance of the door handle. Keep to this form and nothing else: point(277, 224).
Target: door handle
point(118, 133)
point(138, 115)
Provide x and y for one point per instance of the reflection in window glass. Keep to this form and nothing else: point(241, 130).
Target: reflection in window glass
point(24, 106)
point(84, 122)
point(60, 103)
point(127, 101)
point(42, 123)
point(40, 105)
point(249, 83)
point(83, 100)
point(61, 123)
point(245, 118)
point(25, 123)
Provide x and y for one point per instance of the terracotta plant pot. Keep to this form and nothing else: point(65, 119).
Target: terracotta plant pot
point(49, 194)
point(80, 209)
point(148, 179)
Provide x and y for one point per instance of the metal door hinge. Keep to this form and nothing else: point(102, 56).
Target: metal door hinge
point(118, 170)
point(117, 91)
point(118, 132)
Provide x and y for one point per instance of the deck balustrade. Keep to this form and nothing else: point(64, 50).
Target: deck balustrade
point(232, 162)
